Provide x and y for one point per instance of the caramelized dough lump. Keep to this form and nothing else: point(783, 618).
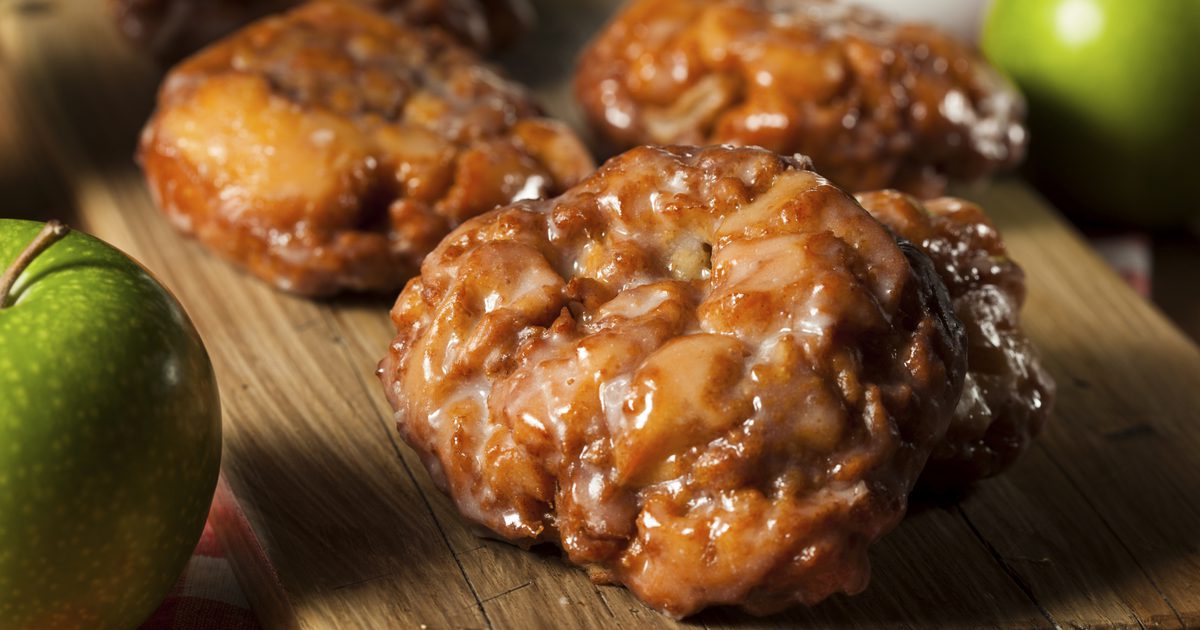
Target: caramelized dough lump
point(875, 104)
point(1007, 395)
point(330, 149)
point(707, 374)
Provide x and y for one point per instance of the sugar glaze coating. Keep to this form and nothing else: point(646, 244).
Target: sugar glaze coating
point(330, 149)
point(1007, 394)
point(707, 374)
point(875, 104)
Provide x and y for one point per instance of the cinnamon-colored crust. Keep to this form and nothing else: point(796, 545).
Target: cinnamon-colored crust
point(171, 29)
point(1007, 395)
point(707, 374)
point(873, 103)
point(330, 149)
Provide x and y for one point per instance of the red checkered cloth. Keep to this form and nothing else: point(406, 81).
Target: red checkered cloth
point(208, 596)
point(1131, 256)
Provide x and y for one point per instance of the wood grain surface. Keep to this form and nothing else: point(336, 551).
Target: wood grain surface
point(1098, 525)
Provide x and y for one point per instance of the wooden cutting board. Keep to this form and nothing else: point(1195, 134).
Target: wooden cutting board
point(1099, 524)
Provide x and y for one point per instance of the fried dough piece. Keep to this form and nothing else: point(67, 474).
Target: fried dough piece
point(707, 374)
point(171, 29)
point(330, 149)
point(1007, 395)
point(874, 104)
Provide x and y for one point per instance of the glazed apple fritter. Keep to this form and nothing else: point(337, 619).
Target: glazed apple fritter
point(1007, 395)
point(171, 29)
point(874, 104)
point(707, 374)
point(330, 149)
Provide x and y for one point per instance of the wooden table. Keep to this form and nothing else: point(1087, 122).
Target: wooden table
point(1099, 524)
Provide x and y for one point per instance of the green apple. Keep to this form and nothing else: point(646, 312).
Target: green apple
point(110, 434)
point(1114, 95)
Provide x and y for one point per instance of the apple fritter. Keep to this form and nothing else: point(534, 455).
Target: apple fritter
point(1007, 395)
point(875, 104)
point(708, 374)
point(330, 149)
point(171, 29)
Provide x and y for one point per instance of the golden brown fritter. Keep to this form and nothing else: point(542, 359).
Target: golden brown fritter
point(1007, 395)
point(874, 104)
point(330, 149)
point(707, 374)
point(173, 28)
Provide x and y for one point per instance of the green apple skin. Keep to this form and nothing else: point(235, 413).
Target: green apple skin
point(110, 437)
point(1114, 101)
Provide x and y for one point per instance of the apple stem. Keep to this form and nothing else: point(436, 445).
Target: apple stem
point(51, 233)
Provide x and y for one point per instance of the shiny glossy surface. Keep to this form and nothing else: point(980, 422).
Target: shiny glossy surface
point(874, 103)
point(330, 149)
point(1114, 91)
point(1007, 396)
point(110, 437)
point(706, 373)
